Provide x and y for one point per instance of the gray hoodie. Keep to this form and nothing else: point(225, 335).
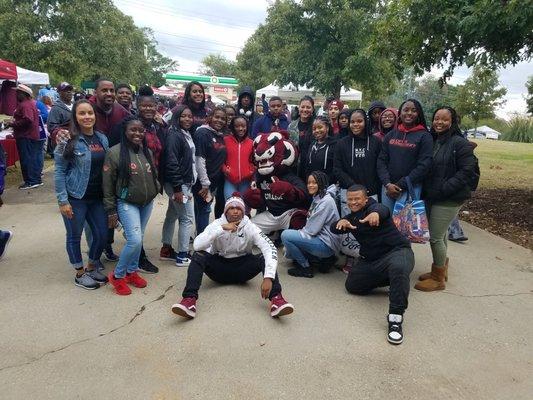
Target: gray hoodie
point(322, 213)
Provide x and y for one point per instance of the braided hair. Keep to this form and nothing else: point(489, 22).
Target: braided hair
point(454, 128)
point(322, 182)
point(325, 120)
point(124, 165)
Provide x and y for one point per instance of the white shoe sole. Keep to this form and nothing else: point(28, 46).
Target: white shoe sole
point(7, 243)
point(285, 309)
point(391, 341)
point(183, 311)
point(85, 287)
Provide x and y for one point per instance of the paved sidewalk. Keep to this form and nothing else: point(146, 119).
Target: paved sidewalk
point(57, 341)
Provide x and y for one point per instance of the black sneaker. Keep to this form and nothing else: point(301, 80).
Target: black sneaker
point(4, 241)
point(301, 272)
point(147, 267)
point(25, 186)
point(109, 255)
point(395, 335)
point(86, 281)
point(324, 265)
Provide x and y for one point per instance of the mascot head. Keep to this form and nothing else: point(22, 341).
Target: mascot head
point(274, 153)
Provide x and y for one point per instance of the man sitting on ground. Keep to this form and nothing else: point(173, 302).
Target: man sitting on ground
point(224, 254)
point(386, 258)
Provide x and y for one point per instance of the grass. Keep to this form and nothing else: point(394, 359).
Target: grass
point(14, 175)
point(505, 165)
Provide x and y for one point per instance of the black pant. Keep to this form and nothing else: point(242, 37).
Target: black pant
point(392, 270)
point(226, 271)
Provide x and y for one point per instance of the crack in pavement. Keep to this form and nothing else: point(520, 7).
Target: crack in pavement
point(489, 295)
point(135, 316)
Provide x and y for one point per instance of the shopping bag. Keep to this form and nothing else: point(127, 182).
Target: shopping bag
point(410, 217)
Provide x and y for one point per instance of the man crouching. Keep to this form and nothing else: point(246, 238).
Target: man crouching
point(224, 253)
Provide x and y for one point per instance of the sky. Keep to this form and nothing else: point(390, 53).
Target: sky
point(189, 30)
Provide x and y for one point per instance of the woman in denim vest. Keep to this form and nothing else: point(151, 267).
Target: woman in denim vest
point(78, 186)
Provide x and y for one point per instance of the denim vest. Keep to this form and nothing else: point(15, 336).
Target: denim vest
point(72, 176)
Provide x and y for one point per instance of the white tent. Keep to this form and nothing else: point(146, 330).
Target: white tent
point(486, 131)
point(293, 92)
point(28, 77)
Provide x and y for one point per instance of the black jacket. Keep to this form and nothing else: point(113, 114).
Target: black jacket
point(405, 154)
point(452, 167)
point(356, 162)
point(375, 241)
point(250, 114)
point(178, 160)
point(320, 158)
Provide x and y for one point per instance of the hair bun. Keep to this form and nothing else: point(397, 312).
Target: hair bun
point(146, 91)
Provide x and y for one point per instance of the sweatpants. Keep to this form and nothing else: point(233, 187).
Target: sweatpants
point(440, 218)
point(392, 269)
point(226, 271)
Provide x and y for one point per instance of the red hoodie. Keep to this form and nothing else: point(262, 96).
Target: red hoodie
point(238, 166)
point(105, 122)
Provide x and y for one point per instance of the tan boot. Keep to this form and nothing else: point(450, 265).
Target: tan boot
point(427, 275)
point(436, 282)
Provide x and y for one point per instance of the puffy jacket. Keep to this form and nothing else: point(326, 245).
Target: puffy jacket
point(143, 184)
point(71, 176)
point(356, 162)
point(216, 240)
point(178, 161)
point(453, 165)
point(238, 165)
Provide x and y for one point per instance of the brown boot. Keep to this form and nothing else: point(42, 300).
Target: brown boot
point(436, 282)
point(427, 275)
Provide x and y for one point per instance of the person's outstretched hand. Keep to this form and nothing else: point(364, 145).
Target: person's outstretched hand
point(371, 219)
point(266, 287)
point(344, 224)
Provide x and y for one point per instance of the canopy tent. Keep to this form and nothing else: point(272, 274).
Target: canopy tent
point(8, 70)
point(28, 77)
point(293, 92)
point(165, 91)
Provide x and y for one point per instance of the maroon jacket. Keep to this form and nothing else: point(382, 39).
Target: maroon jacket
point(26, 124)
point(106, 122)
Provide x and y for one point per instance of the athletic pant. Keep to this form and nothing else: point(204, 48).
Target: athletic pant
point(392, 270)
point(226, 271)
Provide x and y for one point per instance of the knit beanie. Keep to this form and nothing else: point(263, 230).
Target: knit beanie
point(235, 201)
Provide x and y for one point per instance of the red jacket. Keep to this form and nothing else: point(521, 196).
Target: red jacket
point(238, 165)
point(26, 120)
point(106, 122)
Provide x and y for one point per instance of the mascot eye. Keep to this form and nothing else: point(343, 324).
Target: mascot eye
point(273, 138)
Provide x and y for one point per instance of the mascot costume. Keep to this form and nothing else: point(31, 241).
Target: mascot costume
point(278, 194)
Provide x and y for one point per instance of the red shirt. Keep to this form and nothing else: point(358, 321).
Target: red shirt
point(106, 121)
point(26, 124)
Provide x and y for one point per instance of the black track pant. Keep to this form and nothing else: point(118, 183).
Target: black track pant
point(392, 270)
point(226, 271)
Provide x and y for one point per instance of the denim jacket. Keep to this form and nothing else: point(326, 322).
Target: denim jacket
point(72, 175)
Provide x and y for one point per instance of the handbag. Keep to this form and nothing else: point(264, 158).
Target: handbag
point(410, 217)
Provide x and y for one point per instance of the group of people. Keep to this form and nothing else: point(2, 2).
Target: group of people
point(114, 154)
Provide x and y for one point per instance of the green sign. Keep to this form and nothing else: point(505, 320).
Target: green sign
point(212, 80)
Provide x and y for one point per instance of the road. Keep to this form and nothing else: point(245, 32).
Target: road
point(57, 341)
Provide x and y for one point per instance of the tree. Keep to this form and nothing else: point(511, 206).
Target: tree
point(76, 40)
point(529, 99)
point(324, 44)
point(218, 65)
point(424, 33)
point(480, 95)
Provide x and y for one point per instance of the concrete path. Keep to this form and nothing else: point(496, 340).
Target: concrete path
point(57, 341)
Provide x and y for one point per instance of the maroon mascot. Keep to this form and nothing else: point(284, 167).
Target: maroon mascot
point(278, 194)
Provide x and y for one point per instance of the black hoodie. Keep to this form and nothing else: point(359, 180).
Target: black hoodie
point(375, 241)
point(320, 158)
point(356, 161)
point(249, 113)
point(373, 106)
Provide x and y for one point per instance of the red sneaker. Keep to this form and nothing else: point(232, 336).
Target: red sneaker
point(167, 253)
point(120, 285)
point(279, 307)
point(135, 279)
point(185, 308)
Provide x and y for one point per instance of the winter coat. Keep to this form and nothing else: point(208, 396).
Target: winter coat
point(238, 166)
point(178, 161)
point(453, 165)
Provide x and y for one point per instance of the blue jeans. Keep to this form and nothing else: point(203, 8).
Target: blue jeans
point(298, 248)
point(184, 213)
point(134, 219)
point(30, 153)
point(92, 212)
point(389, 202)
point(229, 188)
